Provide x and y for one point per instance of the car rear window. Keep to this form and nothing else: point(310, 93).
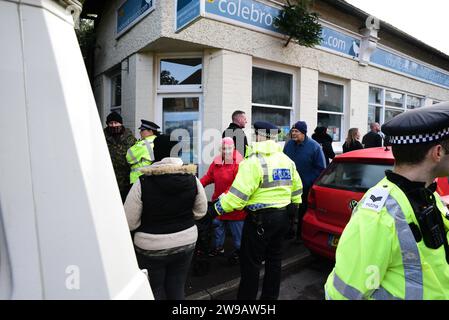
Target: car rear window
point(353, 176)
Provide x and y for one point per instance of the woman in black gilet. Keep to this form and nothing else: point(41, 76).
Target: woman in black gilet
point(161, 208)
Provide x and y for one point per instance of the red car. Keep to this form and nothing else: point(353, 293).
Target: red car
point(338, 190)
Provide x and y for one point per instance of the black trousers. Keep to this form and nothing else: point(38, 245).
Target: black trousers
point(168, 274)
point(257, 247)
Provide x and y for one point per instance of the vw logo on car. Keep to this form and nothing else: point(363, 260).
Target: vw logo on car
point(352, 204)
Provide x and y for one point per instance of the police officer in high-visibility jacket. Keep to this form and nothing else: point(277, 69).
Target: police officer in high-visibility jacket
point(266, 183)
point(396, 243)
point(141, 155)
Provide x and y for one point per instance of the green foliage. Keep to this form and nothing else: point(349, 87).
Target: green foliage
point(298, 23)
point(86, 40)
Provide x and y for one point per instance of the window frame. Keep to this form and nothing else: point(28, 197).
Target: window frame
point(383, 105)
point(341, 114)
point(280, 69)
point(196, 88)
point(160, 111)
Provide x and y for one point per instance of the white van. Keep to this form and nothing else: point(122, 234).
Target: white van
point(63, 230)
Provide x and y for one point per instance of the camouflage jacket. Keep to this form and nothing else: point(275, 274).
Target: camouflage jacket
point(118, 146)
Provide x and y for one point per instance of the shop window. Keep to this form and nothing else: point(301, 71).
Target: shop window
point(116, 91)
point(376, 102)
point(375, 96)
point(272, 98)
point(384, 105)
point(182, 114)
point(394, 99)
point(391, 113)
point(177, 72)
point(280, 117)
point(331, 108)
point(414, 102)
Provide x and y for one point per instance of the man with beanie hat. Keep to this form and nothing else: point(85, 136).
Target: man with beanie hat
point(119, 140)
point(309, 159)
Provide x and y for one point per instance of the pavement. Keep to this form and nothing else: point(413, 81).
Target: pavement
point(222, 279)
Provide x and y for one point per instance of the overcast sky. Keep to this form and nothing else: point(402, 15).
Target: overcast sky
point(425, 20)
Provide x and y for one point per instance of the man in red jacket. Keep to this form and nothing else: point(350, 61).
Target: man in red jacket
point(222, 173)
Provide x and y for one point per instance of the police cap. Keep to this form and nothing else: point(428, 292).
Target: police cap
point(266, 129)
point(148, 125)
point(418, 126)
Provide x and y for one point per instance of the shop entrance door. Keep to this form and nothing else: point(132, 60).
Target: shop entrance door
point(180, 116)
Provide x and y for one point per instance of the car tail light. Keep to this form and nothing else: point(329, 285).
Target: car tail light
point(311, 200)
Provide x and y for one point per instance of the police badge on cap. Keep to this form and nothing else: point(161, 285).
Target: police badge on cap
point(423, 125)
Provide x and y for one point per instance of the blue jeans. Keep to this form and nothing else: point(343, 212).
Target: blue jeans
point(236, 228)
point(168, 274)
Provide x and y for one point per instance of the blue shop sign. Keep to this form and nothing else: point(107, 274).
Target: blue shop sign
point(256, 15)
point(244, 12)
point(340, 42)
point(186, 12)
point(409, 67)
point(131, 12)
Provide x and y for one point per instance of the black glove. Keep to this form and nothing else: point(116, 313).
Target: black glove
point(205, 222)
point(211, 209)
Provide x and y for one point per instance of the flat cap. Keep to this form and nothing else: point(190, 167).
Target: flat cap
point(266, 129)
point(148, 125)
point(418, 126)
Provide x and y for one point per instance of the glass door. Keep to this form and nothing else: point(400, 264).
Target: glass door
point(181, 119)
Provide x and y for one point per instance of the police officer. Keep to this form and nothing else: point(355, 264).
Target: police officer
point(266, 183)
point(141, 155)
point(396, 243)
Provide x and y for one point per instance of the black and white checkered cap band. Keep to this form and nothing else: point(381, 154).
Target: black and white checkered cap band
point(419, 138)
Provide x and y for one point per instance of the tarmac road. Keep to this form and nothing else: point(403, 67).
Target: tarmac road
point(303, 281)
point(306, 282)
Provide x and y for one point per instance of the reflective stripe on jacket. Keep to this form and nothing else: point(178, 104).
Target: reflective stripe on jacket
point(140, 155)
point(266, 179)
point(378, 257)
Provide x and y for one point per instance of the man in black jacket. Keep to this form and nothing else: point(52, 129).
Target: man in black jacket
point(235, 131)
point(373, 138)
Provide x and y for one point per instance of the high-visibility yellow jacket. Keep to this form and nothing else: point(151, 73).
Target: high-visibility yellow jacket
point(140, 155)
point(378, 257)
point(267, 178)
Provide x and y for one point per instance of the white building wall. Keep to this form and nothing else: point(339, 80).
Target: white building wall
point(237, 87)
point(99, 92)
point(237, 42)
point(358, 93)
point(144, 91)
point(308, 98)
point(111, 50)
point(227, 87)
point(213, 89)
point(137, 91)
point(129, 85)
